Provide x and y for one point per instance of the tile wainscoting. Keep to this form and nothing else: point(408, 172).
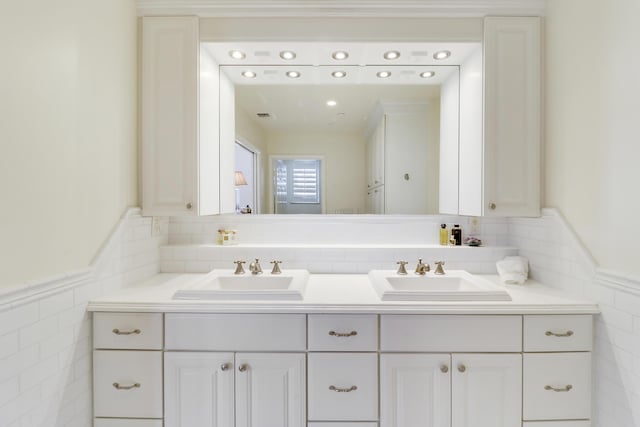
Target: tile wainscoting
point(45, 331)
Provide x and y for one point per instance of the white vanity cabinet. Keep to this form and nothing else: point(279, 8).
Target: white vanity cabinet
point(180, 141)
point(340, 369)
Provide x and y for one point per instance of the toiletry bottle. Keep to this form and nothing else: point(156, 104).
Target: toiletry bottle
point(456, 232)
point(444, 235)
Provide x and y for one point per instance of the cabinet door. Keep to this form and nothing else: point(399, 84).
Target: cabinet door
point(198, 389)
point(486, 390)
point(512, 66)
point(415, 390)
point(270, 390)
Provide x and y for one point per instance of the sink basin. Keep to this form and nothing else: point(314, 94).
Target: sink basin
point(455, 285)
point(224, 285)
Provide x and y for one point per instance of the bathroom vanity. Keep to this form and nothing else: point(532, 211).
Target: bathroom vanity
point(340, 357)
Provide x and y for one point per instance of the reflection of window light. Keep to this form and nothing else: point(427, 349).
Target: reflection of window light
point(298, 181)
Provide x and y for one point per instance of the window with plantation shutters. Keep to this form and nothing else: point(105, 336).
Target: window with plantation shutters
point(297, 181)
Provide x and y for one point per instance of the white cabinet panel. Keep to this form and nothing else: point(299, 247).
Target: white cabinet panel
point(557, 386)
point(127, 383)
point(199, 389)
point(343, 332)
point(575, 423)
point(558, 333)
point(486, 390)
point(270, 390)
point(136, 331)
point(415, 390)
point(114, 422)
point(343, 386)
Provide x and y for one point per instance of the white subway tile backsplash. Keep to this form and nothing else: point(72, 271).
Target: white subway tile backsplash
point(9, 344)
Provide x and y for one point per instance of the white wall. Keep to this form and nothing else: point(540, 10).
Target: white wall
point(344, 157)
point(67, 131)
point(592, 111)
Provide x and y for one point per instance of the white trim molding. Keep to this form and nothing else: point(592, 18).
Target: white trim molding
point(618, 281)
point(340, 8)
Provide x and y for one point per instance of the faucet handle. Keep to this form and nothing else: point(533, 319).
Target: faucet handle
point(439, 269)
point(276, 267)
point(239, 269)
point(402, 269)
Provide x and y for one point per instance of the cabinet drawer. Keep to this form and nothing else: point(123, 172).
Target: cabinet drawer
point(556, 386)
point(127, 383)
point(343, 387)
point(558, 333)
point(111, 422)
point(236, 332)
point(443, 333)
point(343, 332)
point(581, 423)
point(136, 331)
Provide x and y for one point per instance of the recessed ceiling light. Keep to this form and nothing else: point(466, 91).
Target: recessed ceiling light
point(392, 54)
point(340, 55)
point(339, 74)
point(331, 103)
point(383, 74)
point(443, 54)
point(287, 54)
point(427, 74)
point(236, 54)
point(248, 74)
point(293, 74)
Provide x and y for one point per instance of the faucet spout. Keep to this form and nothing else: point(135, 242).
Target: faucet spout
point(255, 268)
point(422, 268)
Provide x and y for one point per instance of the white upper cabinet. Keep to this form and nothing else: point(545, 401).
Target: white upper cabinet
point(180, 127)
point(512, 127)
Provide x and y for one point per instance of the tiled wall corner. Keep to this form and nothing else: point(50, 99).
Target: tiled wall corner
point(557, 258)
point(45, 342)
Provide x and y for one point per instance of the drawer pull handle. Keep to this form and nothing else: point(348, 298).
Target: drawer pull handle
point(343, 390)
point(126, 387)
point(343, 334)
point(243, 367)
point(225, 366)
point(555, 334)
point(133, 332)
point(565, 388)
point(444, 369)
point(461, 368)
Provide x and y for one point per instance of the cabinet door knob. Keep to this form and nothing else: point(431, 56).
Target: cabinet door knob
point(492, 206)
point(225, 366)
point(243, 368)
point(444, 369)
point(189, 206)
point(461, 368)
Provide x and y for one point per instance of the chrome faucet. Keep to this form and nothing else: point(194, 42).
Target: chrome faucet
point(239, 268)
point(421, 268)
point(439, 269)
point(402, 270)
point(255, 268)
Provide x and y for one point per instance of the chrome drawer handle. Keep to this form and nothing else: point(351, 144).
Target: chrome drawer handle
point(343, 390)
point(565, 388)
point(243, 367)
point(444, 369)
point(555, 334)
point(126, 387)
point(343, 334)
point(133, 332)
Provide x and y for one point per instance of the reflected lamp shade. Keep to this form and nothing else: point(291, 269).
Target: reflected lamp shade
point(240, 179)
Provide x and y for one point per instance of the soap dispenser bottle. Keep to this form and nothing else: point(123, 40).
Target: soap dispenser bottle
point(456, 232)
point(444, 235)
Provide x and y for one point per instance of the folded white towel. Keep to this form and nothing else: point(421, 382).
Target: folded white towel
point(513, 269)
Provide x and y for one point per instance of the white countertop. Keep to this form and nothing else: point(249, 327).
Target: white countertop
point(338, 293)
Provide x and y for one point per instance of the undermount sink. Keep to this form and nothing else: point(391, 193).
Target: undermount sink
point(225, 285)
point(455, 285)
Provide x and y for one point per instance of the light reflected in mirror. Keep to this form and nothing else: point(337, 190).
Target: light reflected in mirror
point(378, 139)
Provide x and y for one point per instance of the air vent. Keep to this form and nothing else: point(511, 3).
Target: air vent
point(263, 115)
point(270, 72)
point(419, 53)
point(262, 53)
point(407, 72)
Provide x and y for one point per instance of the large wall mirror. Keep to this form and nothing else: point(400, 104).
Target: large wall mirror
point(341, 128)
